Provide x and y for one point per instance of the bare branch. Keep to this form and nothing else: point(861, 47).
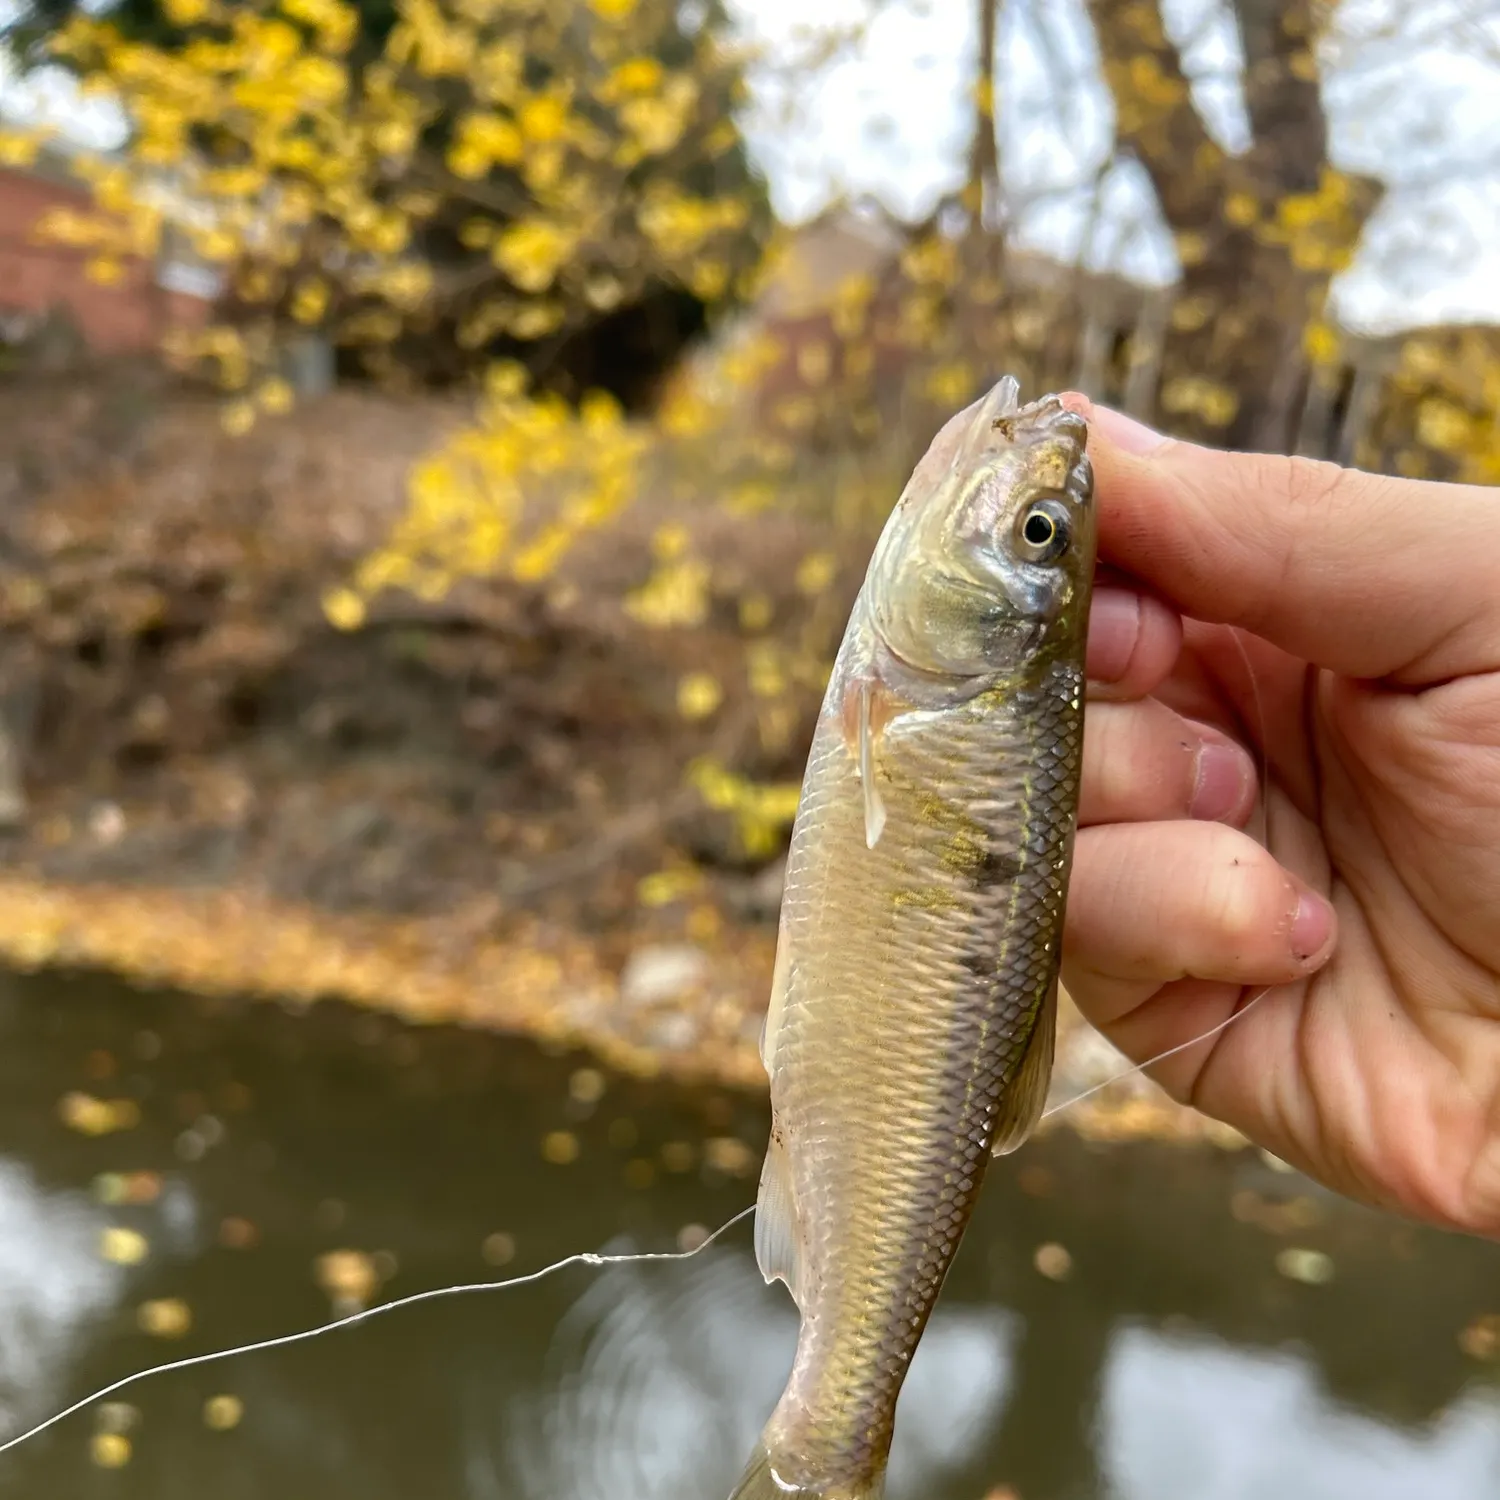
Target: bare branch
point(1155, 118)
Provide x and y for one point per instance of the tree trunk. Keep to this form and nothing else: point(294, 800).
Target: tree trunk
point(1260, 236)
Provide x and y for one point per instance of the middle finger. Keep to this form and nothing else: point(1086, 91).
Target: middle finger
point(1144, 763)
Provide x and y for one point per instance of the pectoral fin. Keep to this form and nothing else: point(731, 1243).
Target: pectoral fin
point(867, 709)
point(874, 806)
point(778, 1235)
point(1021, 1107)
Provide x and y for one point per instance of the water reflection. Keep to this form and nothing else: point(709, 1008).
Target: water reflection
point(1173, 1362)
point(656, 1373)
point(1187, 1419)
point(53, 1286)
point(657, 1376)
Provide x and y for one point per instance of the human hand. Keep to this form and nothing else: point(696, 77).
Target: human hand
point(1346, 628)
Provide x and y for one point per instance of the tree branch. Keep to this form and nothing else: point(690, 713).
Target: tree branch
point(1282, 97)
point(984, 150)
point(1154, 115)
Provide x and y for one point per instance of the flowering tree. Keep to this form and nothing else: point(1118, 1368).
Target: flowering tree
point(433, 186)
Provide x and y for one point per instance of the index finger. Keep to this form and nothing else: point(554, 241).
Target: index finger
point(1361, 573)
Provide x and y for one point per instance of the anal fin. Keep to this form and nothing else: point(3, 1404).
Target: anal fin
point(1021, 1106)
point(778, 1235)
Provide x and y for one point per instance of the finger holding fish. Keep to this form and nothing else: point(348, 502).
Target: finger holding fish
point(1226, 911)
point(1134, 640)
point(1143, 763)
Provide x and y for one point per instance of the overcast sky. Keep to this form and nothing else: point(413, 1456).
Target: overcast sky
point(892, 118)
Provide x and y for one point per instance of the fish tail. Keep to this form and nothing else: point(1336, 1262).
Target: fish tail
point(760, 1482)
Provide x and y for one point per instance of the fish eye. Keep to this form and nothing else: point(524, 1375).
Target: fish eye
point(1044, 532)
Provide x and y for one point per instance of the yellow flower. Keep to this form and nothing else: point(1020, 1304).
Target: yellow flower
point(698, 695)
point(238, 418)
point(531, 252)
point(544, 118)
point(344, 609)
point(639, 75)
point(18, 148)
point(310, 300)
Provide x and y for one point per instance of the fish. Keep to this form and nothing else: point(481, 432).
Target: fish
point(910, 1028)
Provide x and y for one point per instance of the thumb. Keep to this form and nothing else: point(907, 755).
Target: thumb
point(1361, 573)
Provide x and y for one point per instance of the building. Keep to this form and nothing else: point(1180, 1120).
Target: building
point(42, 284)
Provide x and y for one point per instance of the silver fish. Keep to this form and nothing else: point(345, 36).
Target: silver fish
point(910, 1028)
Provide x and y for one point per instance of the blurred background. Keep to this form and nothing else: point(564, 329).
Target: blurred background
point(440, 441)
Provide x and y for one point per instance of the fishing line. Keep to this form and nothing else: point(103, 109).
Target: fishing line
point(636, 1257)
point(1243, 1007)
point(282, 1341)
point(1240, 1010)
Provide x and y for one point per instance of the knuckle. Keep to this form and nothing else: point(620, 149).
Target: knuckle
point(1309, 483)
point(1239, 904)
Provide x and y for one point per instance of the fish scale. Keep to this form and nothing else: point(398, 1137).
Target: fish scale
point(918, 952)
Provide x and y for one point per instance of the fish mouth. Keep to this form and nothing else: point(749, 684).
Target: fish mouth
point(1001, 412)
point(1000, 423)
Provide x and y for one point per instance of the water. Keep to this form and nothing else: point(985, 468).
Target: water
point(1173, 1363)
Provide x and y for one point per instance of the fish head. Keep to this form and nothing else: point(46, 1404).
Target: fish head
point(987, 561)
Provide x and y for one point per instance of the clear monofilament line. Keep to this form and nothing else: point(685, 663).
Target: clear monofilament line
point(1151, 1062)
point(282, 1341)
point(637, 1257)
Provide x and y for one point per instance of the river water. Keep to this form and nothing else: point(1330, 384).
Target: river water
point(1172, 1361)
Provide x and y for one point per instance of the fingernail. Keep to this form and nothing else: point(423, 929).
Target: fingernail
point(1125, 432)
point(1114, 628)
point(1312, 926)
point(1224, 775)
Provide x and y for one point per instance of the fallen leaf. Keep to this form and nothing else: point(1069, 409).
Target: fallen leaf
point(223, 1412)
point(123, 1247)
point(1053, 1261)
point(110, 1450)
point(1481, 1339)
point(164, 1318)
point(236, 1233)
point(91, 1116)
point(560, 1147)
point(349, 1277)
point(1312, 1267)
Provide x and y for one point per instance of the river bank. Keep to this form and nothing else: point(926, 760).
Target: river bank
point(467, 811)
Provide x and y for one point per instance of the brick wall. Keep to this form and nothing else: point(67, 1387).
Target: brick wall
point(127, 317)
